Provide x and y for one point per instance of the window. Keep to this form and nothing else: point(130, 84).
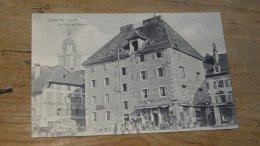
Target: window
point(229, 98)
point(227, 83)
point(217, 99)
point(108, 116)
point(182, 72)
point(105, 66)
point(124, 87)
point(94, 84)
point(183, 90)
point(197, 76)
point(162, 91)
point(94, 116)
point(144, 75)
point(220, 83)
point(126, 105)
point(107, 81)
point(214, 84)
point(223, 98)
point(207, 85)
point(135, 45)
point(77, 112)
point(93, 100)
point(145, 93)
point(158, 54)
point(198, 113)
point(123, 70)
point(142, 58)
point(107, 98)
point(216, 69)
point(126, 117)
point(64, 76)
point(161, 71)
point(58, 112)
point(93, 68)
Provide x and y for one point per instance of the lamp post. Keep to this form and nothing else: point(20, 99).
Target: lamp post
point(115, 52)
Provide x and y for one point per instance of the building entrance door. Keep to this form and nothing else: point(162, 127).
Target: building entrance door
point(156, 120)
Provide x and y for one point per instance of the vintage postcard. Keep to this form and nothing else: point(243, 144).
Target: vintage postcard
point(110, 74)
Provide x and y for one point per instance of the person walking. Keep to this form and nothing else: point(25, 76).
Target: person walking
point(115, 129)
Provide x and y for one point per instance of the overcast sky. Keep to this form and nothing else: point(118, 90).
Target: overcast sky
point(95, 30)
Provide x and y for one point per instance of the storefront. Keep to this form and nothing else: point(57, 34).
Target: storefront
point(157, 117)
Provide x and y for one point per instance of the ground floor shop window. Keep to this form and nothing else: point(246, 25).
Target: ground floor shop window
point(126, 117)
point(168, 119)
point(226, 115)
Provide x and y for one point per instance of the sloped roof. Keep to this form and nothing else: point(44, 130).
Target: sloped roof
point(57, 74)
point(136, 34)
point(209, 64)
point(159, 34)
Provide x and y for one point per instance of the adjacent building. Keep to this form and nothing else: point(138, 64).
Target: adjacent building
point(58, 93)
point(220, 88)
point(147, 75)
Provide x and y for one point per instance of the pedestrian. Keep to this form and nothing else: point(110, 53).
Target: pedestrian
point(115, 129)
point(122, 129)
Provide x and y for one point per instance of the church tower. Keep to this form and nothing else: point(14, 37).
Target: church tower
point(69, 57)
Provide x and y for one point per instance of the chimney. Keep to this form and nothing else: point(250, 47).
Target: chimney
point(126, 28)
point(36, 71)
point(215, 54)
point(153, 20)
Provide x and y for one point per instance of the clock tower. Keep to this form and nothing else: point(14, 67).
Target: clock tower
point(69, 57)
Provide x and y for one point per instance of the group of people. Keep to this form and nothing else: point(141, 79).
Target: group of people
point(128, 128)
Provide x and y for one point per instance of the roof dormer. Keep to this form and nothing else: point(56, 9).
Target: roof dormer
point(136, 39)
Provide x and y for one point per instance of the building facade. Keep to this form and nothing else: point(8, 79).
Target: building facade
point(148, 76)
point(58, 97)
point(220, 88)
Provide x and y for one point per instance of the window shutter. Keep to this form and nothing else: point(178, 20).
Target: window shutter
point(216, 97)
point(138, 76)
point(146, 74)
point(153, 56)
point(164, 72)
point(137, 59)
point(162, 52)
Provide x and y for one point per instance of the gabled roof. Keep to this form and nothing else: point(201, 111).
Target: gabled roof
point(209, 64)
point(136, 34)
point(159, 34)
point(56, 74)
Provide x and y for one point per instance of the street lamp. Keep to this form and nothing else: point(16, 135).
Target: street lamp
point(115, 52)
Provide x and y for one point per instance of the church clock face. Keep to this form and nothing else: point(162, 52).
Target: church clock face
point(69, 48)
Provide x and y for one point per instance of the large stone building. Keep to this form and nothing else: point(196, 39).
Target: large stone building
point(154, 80)
point(58, 93)
point(219, 88)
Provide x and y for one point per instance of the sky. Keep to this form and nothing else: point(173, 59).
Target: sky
point(92, 31)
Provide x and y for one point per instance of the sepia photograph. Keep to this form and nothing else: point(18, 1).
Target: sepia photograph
point(129, 73)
